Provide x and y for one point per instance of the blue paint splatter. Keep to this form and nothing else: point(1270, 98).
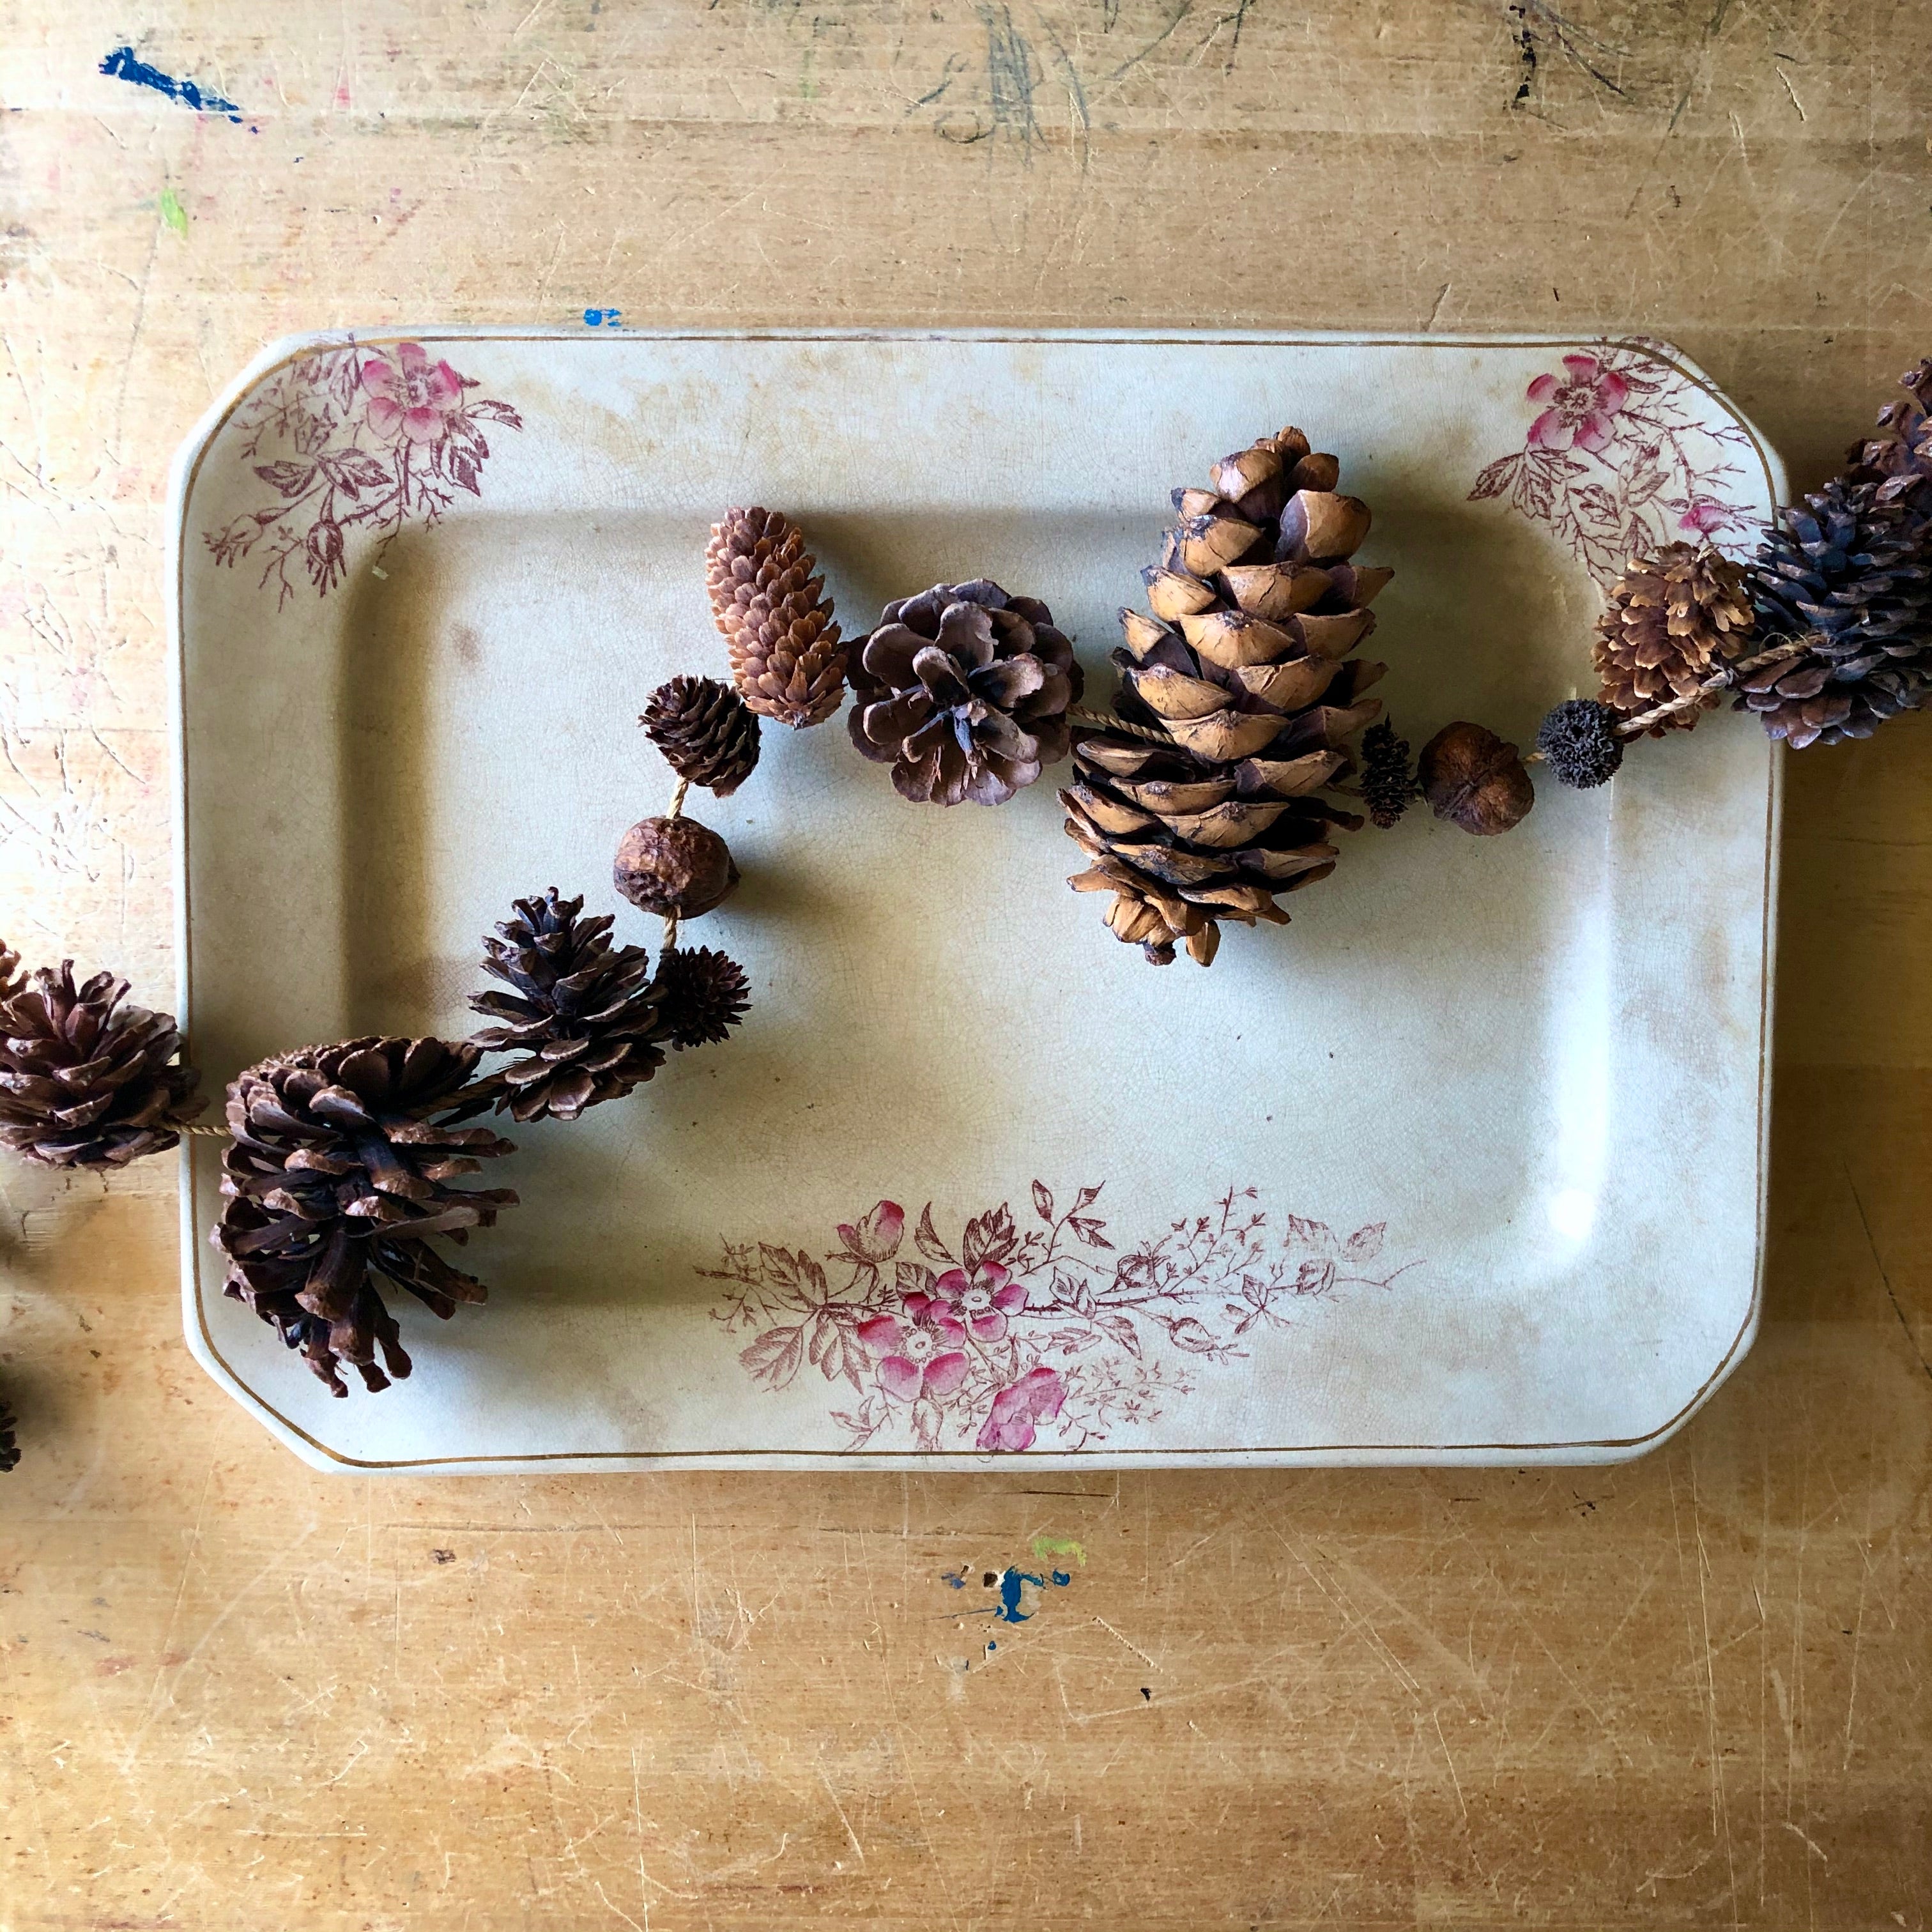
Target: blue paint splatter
point(1063, 1577)
point(956, 1579)
point(122, 64)
point(603, 318)
point(1010, 1580)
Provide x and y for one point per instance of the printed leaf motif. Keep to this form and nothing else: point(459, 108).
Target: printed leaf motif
point(1054, 1338)
point(1042, 1201)
point(290, 479)
point(1497, 477)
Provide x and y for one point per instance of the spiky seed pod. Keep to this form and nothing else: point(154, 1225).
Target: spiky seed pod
point(779, 626)
point(585, 1013)
point(1671, 620)
point(9, 1444)
point(84, 1081)
point(1388, 780)
point(1242, 662)
point(963, 691)
point(1898, 461)
point(706, 732)
point(1850, 575)
point(1475, 779)
point(337, 1176)
point(1578, 741)
point(702, 995)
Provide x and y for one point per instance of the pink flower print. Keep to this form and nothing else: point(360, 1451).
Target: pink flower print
point(1035, 1398)
point(915, 1362)
point(982, 1300)
point(410, 397)
point(1581, 405)
point(875, 1239)
point(1705, 514)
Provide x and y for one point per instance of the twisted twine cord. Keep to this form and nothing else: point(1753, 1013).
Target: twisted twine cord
point(677, 811)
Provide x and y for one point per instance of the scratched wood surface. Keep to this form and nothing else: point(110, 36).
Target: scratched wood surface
point(1691, 1691)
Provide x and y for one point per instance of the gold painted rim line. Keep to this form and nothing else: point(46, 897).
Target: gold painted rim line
point(209, 432)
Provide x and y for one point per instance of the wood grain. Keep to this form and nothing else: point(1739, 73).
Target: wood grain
point(1691, 1691)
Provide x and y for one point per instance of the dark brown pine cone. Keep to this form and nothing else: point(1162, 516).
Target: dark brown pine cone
point(1672, 619)
point(1898, 460)
point(1849, 574)
point(963, 691)
point(10, 1445)
point(85, 1082)
point(586, 1015)
point(337, 1175)
point(778, 626)
point(1388, 780)
point(701, 995)
point(707, 733)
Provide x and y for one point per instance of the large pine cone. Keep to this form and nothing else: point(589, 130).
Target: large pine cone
point(1847, 573)
point(707, 733)
point(85, 1082)
point(1898, 460)
point(1672, 618)
point(337, 1174)
point(778, 628)
point(1244, 665)
point(963, 691)
point(585, 1014)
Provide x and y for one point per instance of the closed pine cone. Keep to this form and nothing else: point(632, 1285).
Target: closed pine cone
point(1847, 572)
point(963, 691)
point(778, 626)
point(707, 733)
point(335, 1179)
point(584, 1012)
point(1673, 618)
point(85, 1082)
point(1244, 665)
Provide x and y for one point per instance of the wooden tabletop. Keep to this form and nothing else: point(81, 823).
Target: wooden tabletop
point(1692, 1691)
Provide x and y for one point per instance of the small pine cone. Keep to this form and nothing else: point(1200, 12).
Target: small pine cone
point(336, 1176)
point(705, 731)
point(9, 1445)
point(779, 626)
point(702, 995)
point(85, 1082)
point(1388, 781)
point(1672, 620)
point(963, 691)
point(585, 1012)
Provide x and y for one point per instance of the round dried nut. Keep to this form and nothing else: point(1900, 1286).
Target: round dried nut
point(1473, 777)
point(674, 867)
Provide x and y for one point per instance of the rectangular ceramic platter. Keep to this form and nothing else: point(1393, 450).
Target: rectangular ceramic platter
point(1466, 1165)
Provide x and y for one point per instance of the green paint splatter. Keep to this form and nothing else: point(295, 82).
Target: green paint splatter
point(1044, 1547)
point(173, 212)
point(808, 87)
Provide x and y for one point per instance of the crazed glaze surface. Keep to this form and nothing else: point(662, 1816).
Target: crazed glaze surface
point(1534, 1066)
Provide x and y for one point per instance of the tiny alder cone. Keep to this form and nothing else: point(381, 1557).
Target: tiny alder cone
point(675, 867)
point(1475, 779)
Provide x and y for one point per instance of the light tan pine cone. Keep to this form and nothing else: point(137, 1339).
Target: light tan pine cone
point(779, 626)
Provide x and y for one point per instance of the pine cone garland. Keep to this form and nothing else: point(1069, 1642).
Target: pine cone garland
point(702, 995)
point(778, 626)
point(1672, 618)
point(963, 691)
point(1849, 574)
point(1244, 666)
point(706, 732)
point(85, 1082)
point(585, 1012)
point(337, 1174)
point(1898, 460)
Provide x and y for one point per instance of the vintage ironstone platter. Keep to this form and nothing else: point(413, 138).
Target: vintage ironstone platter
point(1466, 1165)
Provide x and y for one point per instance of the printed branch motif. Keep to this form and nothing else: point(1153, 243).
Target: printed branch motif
point(1622, 458)
point(351, 438)
point(1011, 1330)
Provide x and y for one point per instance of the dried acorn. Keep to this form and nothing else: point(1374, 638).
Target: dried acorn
point(1475, 779)
point(674, 867)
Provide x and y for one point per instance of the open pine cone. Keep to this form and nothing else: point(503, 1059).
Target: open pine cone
point(1244, 666)
point(963, 691)
point(778, 628)
point(1672, 619)
point(1849, 572)
point(1898, 460)
point(337, 1175)
point(708, 734)
point(585, 1014)
point(85, 1082)
point(701, 994)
